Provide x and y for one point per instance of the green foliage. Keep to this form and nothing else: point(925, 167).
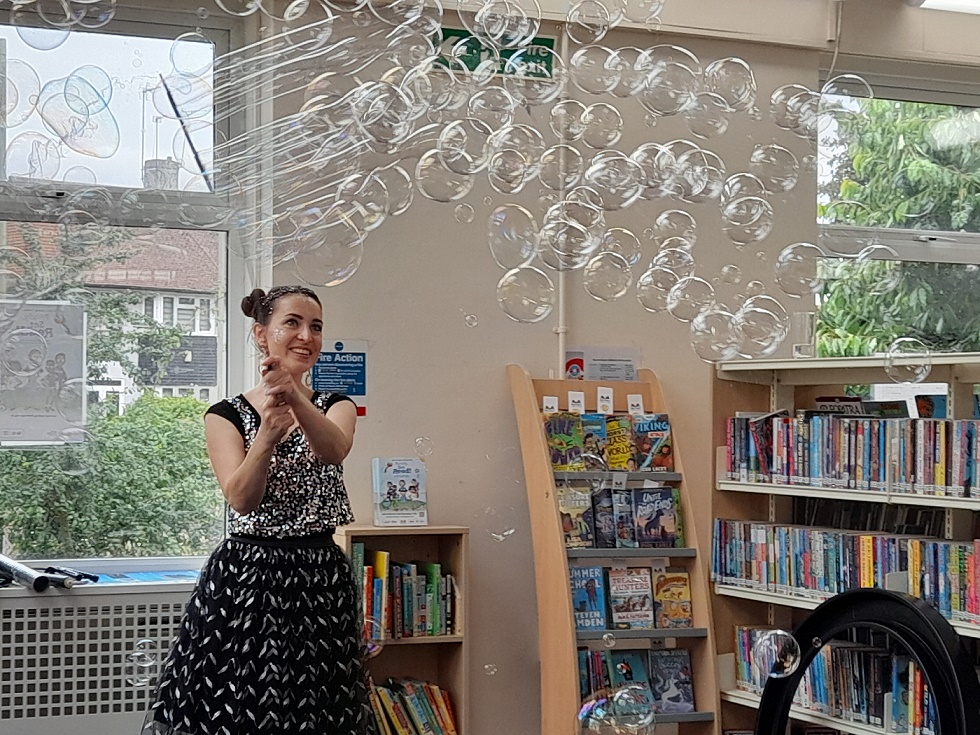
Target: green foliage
point(116, 330)
point(905, 165)
point(142, 487)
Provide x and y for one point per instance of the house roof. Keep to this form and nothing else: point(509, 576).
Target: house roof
point(162, 260)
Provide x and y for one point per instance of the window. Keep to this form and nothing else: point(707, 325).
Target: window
point(898, 188)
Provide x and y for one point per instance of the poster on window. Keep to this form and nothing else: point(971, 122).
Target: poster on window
point(42, 372)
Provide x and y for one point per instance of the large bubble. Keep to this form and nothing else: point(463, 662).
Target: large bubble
point(526, 294)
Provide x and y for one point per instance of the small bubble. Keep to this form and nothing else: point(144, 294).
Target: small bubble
point(489, 669)
point(361, 18)
point(755, 288)
point(471, 320)
point(464, 213)
point(650, 120)
point(423, 447)
point(761, 255)
point(137, 63)
point(503, 536)
point(608, 640)
point(488, 200)
point(203, 13)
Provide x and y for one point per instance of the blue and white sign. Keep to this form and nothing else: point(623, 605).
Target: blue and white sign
point(342, 368)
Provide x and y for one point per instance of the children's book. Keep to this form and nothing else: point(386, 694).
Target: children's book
point(594, 441)
point(630, 598)
point(671, 680)
point(619, 443)
point(760, 431)
point(628, 672)
point(604, 518)
point(653, 447)
point(563, 431)
point(588, 597)
point(655, 514)
point(575, 508)
point(399, 492)
point(672, 593)
point(622, 501)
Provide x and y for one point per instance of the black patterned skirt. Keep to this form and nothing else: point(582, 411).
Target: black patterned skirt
point(270, 642)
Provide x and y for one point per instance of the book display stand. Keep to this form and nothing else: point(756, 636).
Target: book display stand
point(558, 640)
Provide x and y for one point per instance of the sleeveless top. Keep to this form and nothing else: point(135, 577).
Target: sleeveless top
point(303, 496)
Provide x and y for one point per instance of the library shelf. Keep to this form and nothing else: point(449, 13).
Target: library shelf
point(609, 475)
point(968, 630)
point(867, 496)
point(749, 699)
point(441, 659)
point(631, 553)
point(557, 638)
point(643, 634)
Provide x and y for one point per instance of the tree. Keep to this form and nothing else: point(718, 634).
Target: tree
point(907, 165)
point(116, 330)
point(142, 485)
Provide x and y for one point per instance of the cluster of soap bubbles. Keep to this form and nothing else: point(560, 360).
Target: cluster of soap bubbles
point(369, 106)
point(622, 710)
point(141, 663)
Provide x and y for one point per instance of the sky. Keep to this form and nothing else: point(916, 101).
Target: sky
point(133, 64)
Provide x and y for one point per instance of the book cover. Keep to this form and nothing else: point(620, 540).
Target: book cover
point(622, 501)
point(588, 597)
point(619, 443)
point(575, 509)
point(594, 441)
point(671, 681)
point(656, 522)
point(604, 518)
point(761, 433)
point(399, 492)
point(630, 598)
point(628, 670)
point(563, 431)
point(672, 593)
point(653, 447)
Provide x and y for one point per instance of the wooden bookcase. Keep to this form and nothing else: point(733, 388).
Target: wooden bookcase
point(768, 385)
point(557, 637)
point(443, 660)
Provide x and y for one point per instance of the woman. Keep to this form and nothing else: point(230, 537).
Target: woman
point(270, 640)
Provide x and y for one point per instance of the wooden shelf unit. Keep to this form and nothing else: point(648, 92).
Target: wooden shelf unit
point(557, 637)
point(769, 385)
point(443, 660)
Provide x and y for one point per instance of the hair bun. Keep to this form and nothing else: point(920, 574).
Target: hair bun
point(251, 303)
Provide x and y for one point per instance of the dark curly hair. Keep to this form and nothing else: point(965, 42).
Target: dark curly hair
point(259, 304)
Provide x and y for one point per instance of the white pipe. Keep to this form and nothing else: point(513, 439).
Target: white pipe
point(562, 327)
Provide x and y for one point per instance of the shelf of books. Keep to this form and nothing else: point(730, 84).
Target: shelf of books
point(412, 582)
point(819, 492)
point(622, 601)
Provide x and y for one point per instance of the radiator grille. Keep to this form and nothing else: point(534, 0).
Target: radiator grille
point(68, 661)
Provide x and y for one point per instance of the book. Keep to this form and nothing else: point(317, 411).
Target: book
point(604, 518)
point(563, 431)
point(399, 492)
point(672, 595)
point(627, 671)
point(671, 681)
point(622, 501)
point(619, 443)
point(630, 598)
point(381, 627)
point(594, 441)
point(761, 433)
point(655, 517)
point(653, 447)
point(588, 597)
point(575, 510)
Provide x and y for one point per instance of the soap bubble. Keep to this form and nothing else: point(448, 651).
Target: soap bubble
point(36, 31)
point(623, 242)
point(464, 146)
point(587, 21)
point(783, 113)
point(463, 213)
point(607, 276)
point(731, 274)
point(797, 269)
point(512, 234)
point(675, 223)
point(908, 360)
point(471, 320)
point(494, 106)
point(423, 447)
point(23, 91)
point(595, 69)
point(707, 116)
point(141, 663)
point(566, 119)
point(762, 325)
point(677, 260)
point(747, 220)
point(608, 640)
point(880, 267)
point(527, 79)
point(560, 167)
point(603, 126)
point(489, 669)
point(653, 288)
point(671, 88)
point(777, 167)
point(689, 297)
point(508, 171)
point(776, 654)
point(371, 642)
point(34, 156)
point(714, 335)
point(526, 294)
point(192, 54)
point(741, 185)
point(437, 182)
point(732, 80)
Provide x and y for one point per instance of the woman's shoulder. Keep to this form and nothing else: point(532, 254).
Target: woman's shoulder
point(231, 409)
point(324, 401)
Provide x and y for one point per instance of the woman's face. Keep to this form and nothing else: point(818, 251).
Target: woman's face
point(294, 333)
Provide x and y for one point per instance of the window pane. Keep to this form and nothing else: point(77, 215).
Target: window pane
point(900, 164)
point(129, 465)
point(168, 310)
point(205, 394)
point(205, 315)
point(131, 136)
point(148, 307)
point(186, 319)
